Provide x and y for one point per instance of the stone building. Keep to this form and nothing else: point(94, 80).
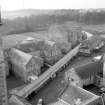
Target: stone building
point(91, 44)
point(10, 41)
point(25, 65)
point(85, 73)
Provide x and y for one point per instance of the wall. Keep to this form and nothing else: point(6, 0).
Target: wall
point(96, 102)
point(88, 81)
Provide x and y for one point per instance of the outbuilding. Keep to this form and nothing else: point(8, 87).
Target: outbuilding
point(25, 65)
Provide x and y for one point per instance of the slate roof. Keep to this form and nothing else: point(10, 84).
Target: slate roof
point(72, 93)
point(88, 68)
point(22, 57)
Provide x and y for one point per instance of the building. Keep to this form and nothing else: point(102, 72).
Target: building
point(29, 45)
point(51, 53)
point(91, 44)
point(77, 96)
point(85, 72)
point(64, 33)
point(25, 65)
point(9, 42)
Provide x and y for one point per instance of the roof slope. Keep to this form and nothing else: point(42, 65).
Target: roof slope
point(88, 68)
point(72, 93)
point(22, 57)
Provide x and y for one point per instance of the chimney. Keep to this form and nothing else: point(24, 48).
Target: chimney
point(0, 16)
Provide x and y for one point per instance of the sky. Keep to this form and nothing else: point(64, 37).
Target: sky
point(10, 5)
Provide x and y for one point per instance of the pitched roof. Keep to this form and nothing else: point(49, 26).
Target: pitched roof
point(72, 93)
point(88, 68)
point(22, 57)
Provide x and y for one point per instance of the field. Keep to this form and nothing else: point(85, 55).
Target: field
point(95, 29)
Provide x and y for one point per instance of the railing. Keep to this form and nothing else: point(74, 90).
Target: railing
point(48, 74)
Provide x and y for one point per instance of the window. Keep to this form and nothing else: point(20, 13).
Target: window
point(72, 79)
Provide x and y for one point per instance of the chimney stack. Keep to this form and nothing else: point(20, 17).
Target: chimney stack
point(0, 16)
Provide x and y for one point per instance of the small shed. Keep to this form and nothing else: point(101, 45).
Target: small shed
point(25, 64)
point(85, 73)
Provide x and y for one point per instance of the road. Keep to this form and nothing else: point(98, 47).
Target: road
point(50, 92)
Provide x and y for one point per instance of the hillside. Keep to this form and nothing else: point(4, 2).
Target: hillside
point(23, 13)
point(40, 20)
